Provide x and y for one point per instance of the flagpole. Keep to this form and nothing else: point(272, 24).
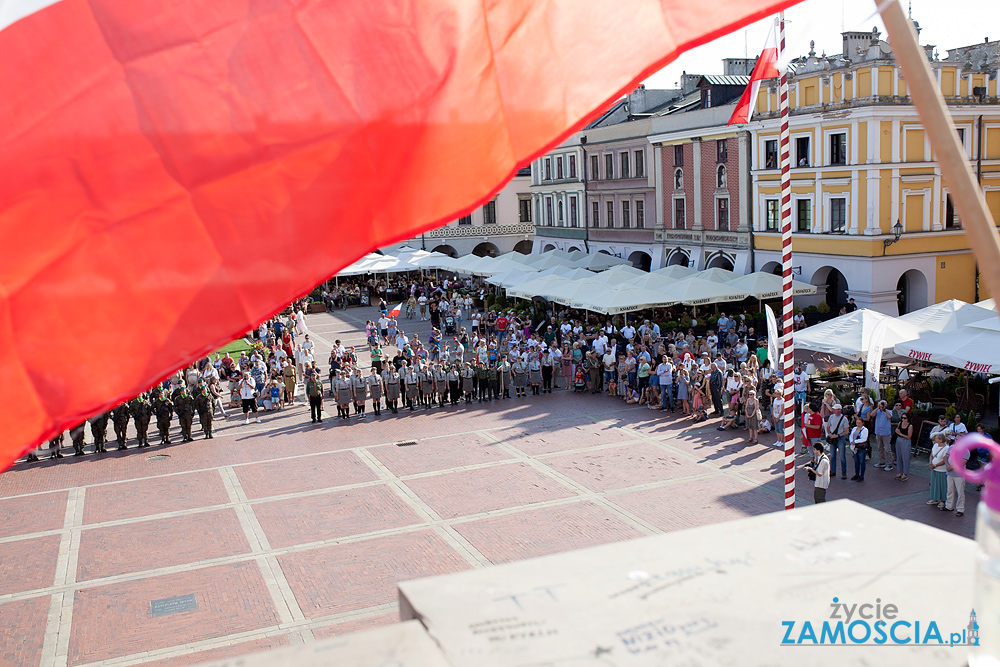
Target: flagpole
point(787, 348)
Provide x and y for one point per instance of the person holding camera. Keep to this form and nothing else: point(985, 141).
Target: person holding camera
point(819, 473)
point(836, 428)
point(248, 396)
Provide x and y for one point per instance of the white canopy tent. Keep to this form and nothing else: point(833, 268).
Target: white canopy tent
point(718, 275)
point(653, 281)
point(600, 261)
point(948, 315)
point(474, 266)
point(675, 271)
point(850, 335)
point(543, 286)
point(974, 347)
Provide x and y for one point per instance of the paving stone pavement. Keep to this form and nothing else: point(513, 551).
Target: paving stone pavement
point(285, 532)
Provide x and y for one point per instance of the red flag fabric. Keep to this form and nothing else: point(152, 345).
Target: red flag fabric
point(766, 68)
point(395, 311)
point(174, 172)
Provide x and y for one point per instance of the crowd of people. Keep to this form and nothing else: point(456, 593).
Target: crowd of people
point(477, 354)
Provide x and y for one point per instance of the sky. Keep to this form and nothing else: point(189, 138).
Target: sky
point(944, 23)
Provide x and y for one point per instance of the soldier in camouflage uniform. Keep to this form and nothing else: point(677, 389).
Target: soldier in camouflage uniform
point(120, 416)
point(76, 435)
point(99, 429)
point(55, 444)
point(203, 402)
point(163, 408)
point(184, 407)
point(142, 411)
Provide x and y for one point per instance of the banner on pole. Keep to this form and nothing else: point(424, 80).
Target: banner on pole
point(873, 364)
point(773, 335)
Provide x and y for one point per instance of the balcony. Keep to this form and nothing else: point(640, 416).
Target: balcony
point(452, 231)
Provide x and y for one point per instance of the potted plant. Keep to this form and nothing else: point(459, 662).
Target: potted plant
point(317, 307)
point(811, 313)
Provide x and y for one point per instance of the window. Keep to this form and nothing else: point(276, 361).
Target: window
point(640, 214)
point(679, 179)
point(640, 164)
point(611, 214)
point(572, 166)
point(625, 165)
point(679, 156)
point(609, 166)
point(465, 220)
point(772, 215)
point(951, 219)
point(803, 221)
point(524, 210)
point(548, 211)
point(838, 215)
point(626, 214)
point(596, 217)
point(548, 169)
point(574, 220)
point(720, 151)
point(559, 170)
point(560, 218)
point(595, 168)
point(720, 177)
point(771, 154)
point(722, 214)
point(802, 151)
point(838, 148)
point(679, 213)
point(490, 213)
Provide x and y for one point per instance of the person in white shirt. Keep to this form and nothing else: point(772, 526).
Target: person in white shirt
point(307, 345)
point(859, 443)
point(300, 321)
point(600, 344)
point(628, 332)
point(248, 388)
point(712, 340)
point(820, 470)
point(956, 429)
point(422, 305)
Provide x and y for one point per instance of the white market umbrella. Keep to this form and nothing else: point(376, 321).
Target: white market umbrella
point(850, 335)
point(433, 260)
point(600, 261)
point(676, 272)
point(718, 275)
point(654, 281)
point(544, 286)
point(574, 274)
point(618, 299)
point(763, 286)
point(694, 291)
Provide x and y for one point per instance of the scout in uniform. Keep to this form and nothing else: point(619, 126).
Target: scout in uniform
point(440, 384)
point(204, 404)
point(410, 380)
point(289, 377)
point(76, 436)
point(359, 392)
point(454, 378)
point(426, 386)
point(184, 407)
point(503, 370)
point(468, 381)
point(519, 376)
point(390, 381)
point(120, 416)
point(375, 389)
point(164, 410)
point(342, 392)
point(493, 378)
point(99, 429)
point(142, 411)
point(535, 375)
point(482, 380)
point(55, 444)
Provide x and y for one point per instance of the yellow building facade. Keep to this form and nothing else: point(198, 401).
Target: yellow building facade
point(863, 172)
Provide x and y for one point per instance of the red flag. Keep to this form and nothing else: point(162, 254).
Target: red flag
point(766, 68)
point(395, 311)
point(175, 172)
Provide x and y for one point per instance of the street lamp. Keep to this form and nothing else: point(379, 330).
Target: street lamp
point(897, 231)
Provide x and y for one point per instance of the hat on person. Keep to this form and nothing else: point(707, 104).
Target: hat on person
point(838, 406)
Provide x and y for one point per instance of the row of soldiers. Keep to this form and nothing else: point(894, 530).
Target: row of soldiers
point(432, 384)
point(159, 402)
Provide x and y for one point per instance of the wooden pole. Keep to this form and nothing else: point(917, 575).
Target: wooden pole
point(966, 195)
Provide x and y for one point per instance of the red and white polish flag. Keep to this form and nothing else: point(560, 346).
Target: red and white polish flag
point(175, 172)
point(766, 68)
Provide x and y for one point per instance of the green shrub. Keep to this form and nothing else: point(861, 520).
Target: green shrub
point(890, 395)
point(949, 414)
point(823, 307)
point(712, 321)
point(810, 309)
point(672, 324)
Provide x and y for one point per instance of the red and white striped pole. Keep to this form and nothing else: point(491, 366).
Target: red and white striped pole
point(787, 348)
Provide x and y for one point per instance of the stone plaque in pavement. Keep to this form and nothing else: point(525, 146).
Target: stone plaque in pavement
point(173, 605)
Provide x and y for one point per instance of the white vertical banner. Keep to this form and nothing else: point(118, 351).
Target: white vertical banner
point(772, 338)
point(873, 363)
